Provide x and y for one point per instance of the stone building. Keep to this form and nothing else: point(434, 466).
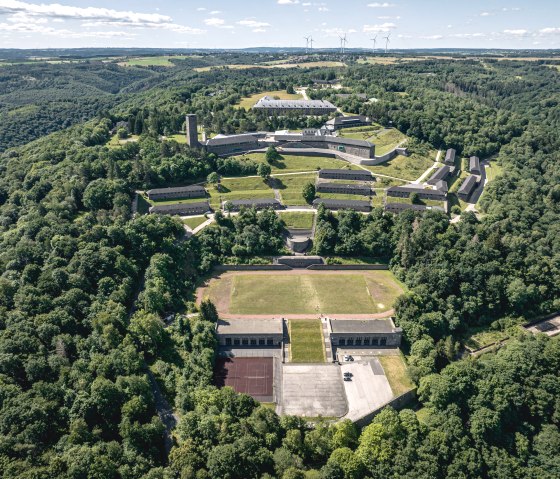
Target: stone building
point(334, 204)
point(250, 332)
point(344, 189)
point(303, 107)
point(181, 209)
point(364, 333)
point(423, 193)
point(467, 187)
point(349, 175)
point(193, 191)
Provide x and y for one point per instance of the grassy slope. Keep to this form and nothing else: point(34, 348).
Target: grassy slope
point(298, 220)
point(281, 94)
point(290, 188)
point(397, 374)
point(306, 341)
point(294, 163)
point(405, 167)
point(195, 221)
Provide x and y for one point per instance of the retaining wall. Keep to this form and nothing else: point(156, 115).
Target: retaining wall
point(349, 267)
point(251, 267)
point(398, 403)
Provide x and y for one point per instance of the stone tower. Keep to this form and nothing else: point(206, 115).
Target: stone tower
point(192, 131)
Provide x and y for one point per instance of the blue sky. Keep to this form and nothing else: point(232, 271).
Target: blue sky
point(244, 23)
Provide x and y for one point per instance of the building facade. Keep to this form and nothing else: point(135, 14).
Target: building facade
point(260, 204)
point(474, 165)
point(364, 333)
point(250, 332)
point(441, 174)
point(330, 204)
point(350, 175)
point(191, 130)
point(344, 189)
point(181, 209)
point(423, 193)
point(348, 122)
point(303, 107)
point(467, 187)
point(450, 156)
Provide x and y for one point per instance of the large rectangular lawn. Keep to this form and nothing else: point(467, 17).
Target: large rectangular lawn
point(306, 341)
point(358, 293)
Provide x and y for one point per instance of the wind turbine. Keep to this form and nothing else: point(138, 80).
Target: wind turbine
point(374, 40)
point(387, 41)
point(311, 42)
point(306, 43)
point(343, 42)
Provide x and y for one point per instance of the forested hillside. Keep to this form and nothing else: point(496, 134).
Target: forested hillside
point(84, 287)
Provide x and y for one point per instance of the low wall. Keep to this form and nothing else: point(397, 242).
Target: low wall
point(349, 267)
point(398, 403)
point(380, 159)
point(251, 267)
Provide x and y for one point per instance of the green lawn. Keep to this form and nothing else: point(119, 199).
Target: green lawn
point(405, 167)
point(115, 142)
point(360, 292)
point(397, 373)
point(179, 138)
point(298, 220)
point(143, 205)
point(239, 189)
point(294, 163)
point(248, 102)
point(384, 139)
point(426, 202)
point(291, 186)
point(306, 341)
point(194, 221)
point(160, 61)
point(493, 170)
point(484, 336)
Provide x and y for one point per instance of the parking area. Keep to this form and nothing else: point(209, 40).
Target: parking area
point(253, 376)
point(368, 388)
point(313, 390)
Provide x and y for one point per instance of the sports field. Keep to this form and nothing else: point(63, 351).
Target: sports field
point(301, 292)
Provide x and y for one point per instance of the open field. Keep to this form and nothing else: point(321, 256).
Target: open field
point(194, 221)
point(280, 94)
point(306, 341)
point(493, 170)
point(115, 141)
point(397, 374)
point(385, 139)
point(239, 189)
point(291, 186)
point(298, 219)
point(159, 61)
point(303, 292)
point(318, 64)
point(296, 163)
point(405, 167)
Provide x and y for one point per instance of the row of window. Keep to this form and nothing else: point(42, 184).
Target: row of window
point(250, 342)
point(362, 341)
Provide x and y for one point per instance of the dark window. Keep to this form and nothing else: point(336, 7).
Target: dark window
point(228, 341)
point(245, 341)
point(374, 341)
point(253, 342)
point(366, 341)
point(261, 341)
point(236, 341)
point(350, 342)
point(270, 341)
point(383, 341)
point(358, 341)
point(342, 342)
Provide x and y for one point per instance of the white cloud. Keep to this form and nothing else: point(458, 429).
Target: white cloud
point(389, 17)
point(486, 14)
point(550, 31)
point(382, 28)
point(517, 33)
point(432, 37)
point(215, 12)
point(201, 9)
point(45, 30)
point(253, 23)
point(381, 5)
point(288, 2)
point(259, 30)
point(468, 35)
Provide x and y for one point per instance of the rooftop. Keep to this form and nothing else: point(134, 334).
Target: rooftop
point(178, 189)
point(180, 207)
point(345, 203)
point(468, 185)
point(440, 174)
point(256, 201)
point(322, 138)
point(250, 326)
point(341, 326)
point(346, 172)
point(268, 102)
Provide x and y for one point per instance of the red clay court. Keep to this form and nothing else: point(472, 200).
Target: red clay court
point(251, 376)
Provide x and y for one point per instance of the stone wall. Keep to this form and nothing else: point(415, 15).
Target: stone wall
point(398, 403)
point(349, 267)
point(251, 267)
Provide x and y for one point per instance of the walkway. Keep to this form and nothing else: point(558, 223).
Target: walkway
point(429, 170)
point(327, 339)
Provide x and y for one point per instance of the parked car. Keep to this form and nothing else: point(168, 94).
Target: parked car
point(347, 357)
point(347, 378)
point(348, 374)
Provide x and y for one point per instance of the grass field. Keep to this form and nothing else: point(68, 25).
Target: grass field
point(360, 292)
point(298, 220)
point(493, 170)
point(384, 139)
point(195, 221)
point(397, 374)
point(295, 163)
point(318, 64)
point(115, 142)
point(306, 341)
point(280, 94)
point(160, 61)
point(291, 186)
point(239, 189)
point(405, 167)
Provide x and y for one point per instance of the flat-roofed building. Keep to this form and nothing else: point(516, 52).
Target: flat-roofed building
point(364, 333)
point(474, 165)
point(349, 175)
point(250, 332)
point(423, 193)
point(230, 144)
point(259, 203)
point(398, 208)
point(303, 107)
point(181, 209)
point(299, 261)
point(333, 204)
point(441, 174)
point(450, 156)
point(467, 187)
point(344, 189)
point(361, 148)
point(194, 191)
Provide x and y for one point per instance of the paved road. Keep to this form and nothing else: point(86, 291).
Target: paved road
point(429, 170)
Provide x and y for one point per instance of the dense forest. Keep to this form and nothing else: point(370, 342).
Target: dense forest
point(85, 285)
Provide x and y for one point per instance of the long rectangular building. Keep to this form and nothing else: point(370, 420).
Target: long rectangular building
point(331, 204)
point(468, 186)
point(351, 175)
point(441, 174)
point(450, 156)
point(361, 148)
point(181, 209)
point(400, 207)
point(194, 191)
point(259, 203)
point(344, 189)
point(304, 107)
point(474, 165)
point(250, 332)
point(423, 193)
point(367, 332)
